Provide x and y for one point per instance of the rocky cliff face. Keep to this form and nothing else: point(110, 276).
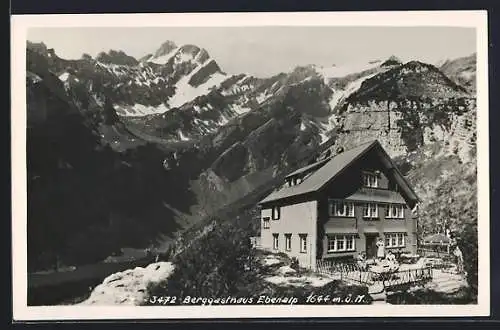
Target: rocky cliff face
point(406, 108)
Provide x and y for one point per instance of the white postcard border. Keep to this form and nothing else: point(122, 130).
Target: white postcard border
point(20, 24)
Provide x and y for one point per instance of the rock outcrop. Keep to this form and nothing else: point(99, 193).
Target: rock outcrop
point(128, 287)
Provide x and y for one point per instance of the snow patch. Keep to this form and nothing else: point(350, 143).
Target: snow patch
point(239, 109)
point(182, 137)
point(262, 97)
point(140, 109)
point(64, 77)
point(340, 95)
point(164, 58)
point(223, 120)
point(346, 69)
point(185, 92)
point(183, 57)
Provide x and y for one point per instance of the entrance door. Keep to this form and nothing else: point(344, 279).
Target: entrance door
point(371, 247)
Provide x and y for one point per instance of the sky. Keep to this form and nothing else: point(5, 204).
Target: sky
point(265, 51)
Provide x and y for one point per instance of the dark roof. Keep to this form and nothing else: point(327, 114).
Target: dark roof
point(331, 169)
point(309, 167)
point(360, 197)
point(333, 229)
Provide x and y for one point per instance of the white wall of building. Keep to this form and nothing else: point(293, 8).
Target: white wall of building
point(294, 219)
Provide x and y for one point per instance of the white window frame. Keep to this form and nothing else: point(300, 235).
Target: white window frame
point(372, 212)
point(370, 180)
point(275, 213)
point(392, 240)
point(338, 243)
point(266, 222)
point(395, 211)
point(276, 240)
point(288, 242)
point(402, 237)
point(303, 243)
point(341, 209)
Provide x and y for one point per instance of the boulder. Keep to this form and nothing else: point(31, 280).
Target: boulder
point(130, 286)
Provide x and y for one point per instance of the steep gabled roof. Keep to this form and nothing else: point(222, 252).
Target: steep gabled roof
point(333, 168)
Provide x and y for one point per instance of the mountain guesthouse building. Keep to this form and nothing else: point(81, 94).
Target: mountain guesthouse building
point(339, 207)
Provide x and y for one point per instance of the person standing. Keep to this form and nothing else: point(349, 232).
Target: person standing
point(459, 259)
point(380, 249)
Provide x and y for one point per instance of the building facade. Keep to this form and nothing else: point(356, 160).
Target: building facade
point(340, 207)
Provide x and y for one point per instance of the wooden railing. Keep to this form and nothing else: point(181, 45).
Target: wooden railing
point(362, 275)
point(436, 253)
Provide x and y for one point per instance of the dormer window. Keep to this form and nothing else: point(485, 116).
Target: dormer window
point(293, 181)
point(370, 180)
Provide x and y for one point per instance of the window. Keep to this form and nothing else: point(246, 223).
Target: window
point(303, 243)
point(370, 180)
point(341, 209)
point(276, 212)
point(401, 240)
point(288, 242)
point(393, 186)
point(394, 211)
point(265, 222)
point(341, 243)
point(349, 243)
point(394, 240)
point(275, 241)
point(370, 210)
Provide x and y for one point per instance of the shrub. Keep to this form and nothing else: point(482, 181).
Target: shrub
point(220, 263)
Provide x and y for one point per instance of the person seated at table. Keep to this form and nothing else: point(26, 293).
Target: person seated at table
point(361, 260)
point(391, 257)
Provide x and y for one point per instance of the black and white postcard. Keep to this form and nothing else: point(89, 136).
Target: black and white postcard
point(250, 165)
